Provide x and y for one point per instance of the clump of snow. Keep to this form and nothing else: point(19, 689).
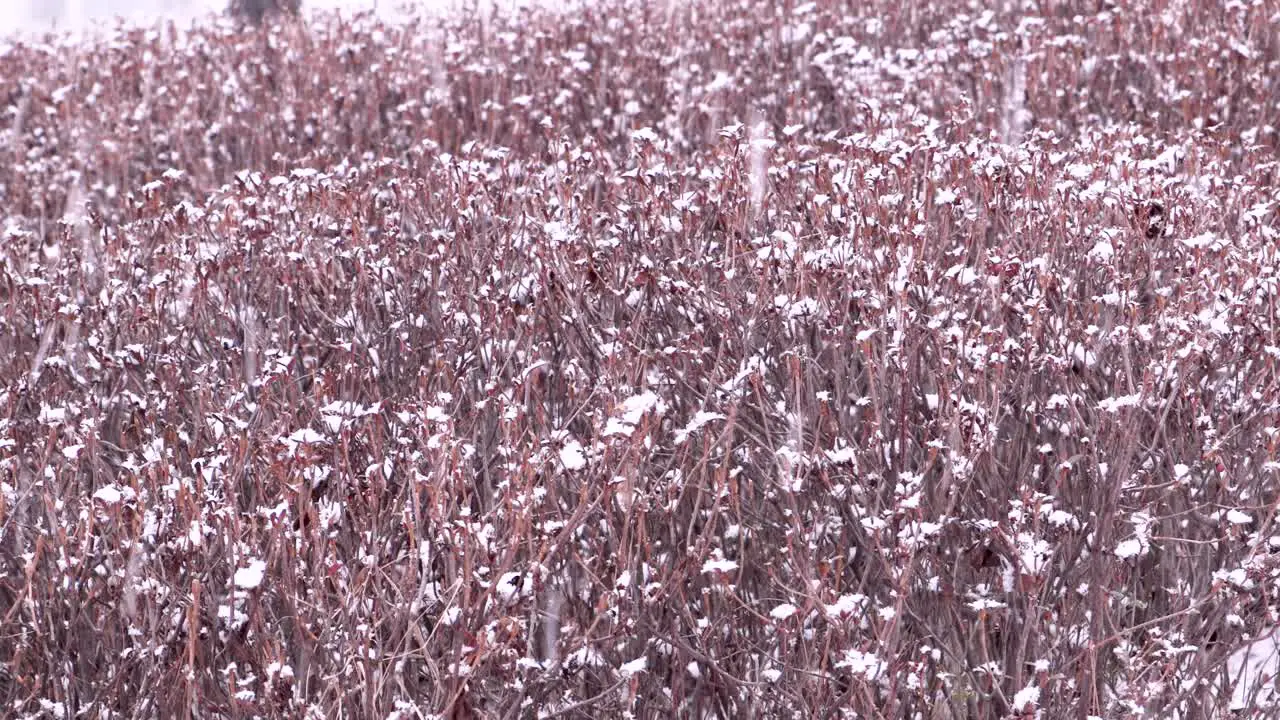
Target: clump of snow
point(845, 606)
point(633, 667)
point(842, 455)
point(783, 611)
point(113, 494)
point(250, 576)
point(1026, 699)
point(1237, 517)
point(511, 585)
point(1133, 547)
point(867, 665)
point(572, 456)
point(631, 411)
point(300, 438)
point(719, 566)
point(699, 419)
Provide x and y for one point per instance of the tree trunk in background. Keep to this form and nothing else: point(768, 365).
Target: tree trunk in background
point(256, 10)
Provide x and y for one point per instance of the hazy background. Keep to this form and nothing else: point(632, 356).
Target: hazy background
point(25, 15)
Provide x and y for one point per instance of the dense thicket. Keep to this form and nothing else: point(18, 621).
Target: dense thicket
point(729, 359)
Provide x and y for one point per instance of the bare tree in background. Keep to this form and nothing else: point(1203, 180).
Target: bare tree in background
point(257, 10)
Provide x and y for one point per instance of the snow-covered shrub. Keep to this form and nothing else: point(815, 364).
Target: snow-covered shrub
point(737, 357)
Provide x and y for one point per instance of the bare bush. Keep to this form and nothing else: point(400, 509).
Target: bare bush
point(738, 359)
